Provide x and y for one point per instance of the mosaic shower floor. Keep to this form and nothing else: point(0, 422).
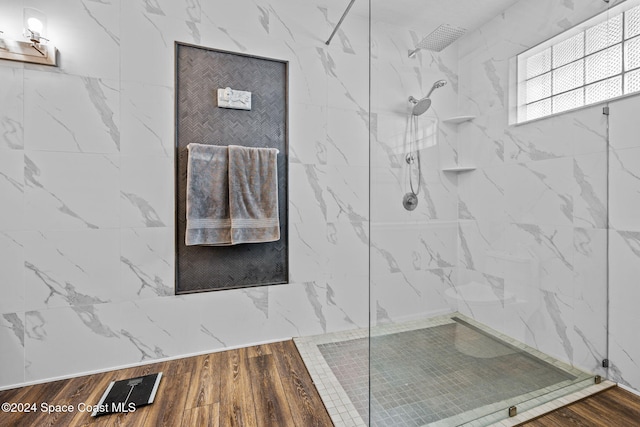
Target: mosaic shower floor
point(444, 371)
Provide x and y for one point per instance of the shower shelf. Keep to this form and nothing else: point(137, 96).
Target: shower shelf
point(458, 119)
point(459, 169)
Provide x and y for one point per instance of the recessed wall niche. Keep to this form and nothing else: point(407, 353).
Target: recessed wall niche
point(200, 72)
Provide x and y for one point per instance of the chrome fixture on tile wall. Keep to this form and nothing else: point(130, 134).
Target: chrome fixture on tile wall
point(438, 39)
point(37, 50)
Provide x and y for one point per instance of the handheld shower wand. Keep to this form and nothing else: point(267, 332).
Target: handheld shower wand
point(420, 106)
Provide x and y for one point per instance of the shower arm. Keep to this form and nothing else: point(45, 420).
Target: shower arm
point(340, 22)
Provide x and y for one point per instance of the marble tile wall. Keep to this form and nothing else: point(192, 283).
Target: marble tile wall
point(624, 241)
point(86, 167)
point(86, 183)
point(533, 216)
point(413, 253)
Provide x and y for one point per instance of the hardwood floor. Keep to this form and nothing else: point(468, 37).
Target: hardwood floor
point(265, 385)
point(613, 407)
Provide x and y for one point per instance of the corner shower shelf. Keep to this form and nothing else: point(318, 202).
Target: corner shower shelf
point(459, 169)
point(458, 119)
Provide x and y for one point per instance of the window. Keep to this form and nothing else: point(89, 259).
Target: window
point(593, 62)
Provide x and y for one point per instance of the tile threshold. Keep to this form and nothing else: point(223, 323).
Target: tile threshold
point(554, 405)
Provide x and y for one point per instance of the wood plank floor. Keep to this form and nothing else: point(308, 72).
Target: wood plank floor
point(265, 385)
point(613, 407)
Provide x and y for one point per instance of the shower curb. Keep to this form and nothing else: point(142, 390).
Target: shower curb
point(554, 405)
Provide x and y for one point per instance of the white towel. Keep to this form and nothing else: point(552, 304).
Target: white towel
point(208, 220)
point(253, 194)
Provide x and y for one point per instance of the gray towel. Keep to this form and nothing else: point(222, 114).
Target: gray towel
point(253, 194)
point(208, 220)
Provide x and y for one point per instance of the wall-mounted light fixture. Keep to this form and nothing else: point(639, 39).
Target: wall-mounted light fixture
point(36, 50)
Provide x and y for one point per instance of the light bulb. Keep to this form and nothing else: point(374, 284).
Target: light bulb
point(35, 25)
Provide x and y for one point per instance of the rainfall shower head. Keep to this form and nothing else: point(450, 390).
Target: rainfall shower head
point(439, 38)
point(420, 106)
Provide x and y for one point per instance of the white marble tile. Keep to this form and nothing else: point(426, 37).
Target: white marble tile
point(551, 252)
point(234, 318)
point(521, 320)
point(347, 193)
point(389, 140)
point(347, 138)
point(624, 194)
point(438, 200)
point(87, 35)
point(590, 191)
point(624, 269)
point(65, 190)
point(12, 272)
point(624, 350)
point(482, 194)
point(448, 153)
point(308, 251)
point(307, 134)
point(482, 141)
point(146, 196)
point(73, 340)
point(71, 114)
point(348, 85)
point(12, 189)
point(480, 246)
point(12, 21)
point(353, 35)
point(308, 196)
point(147, 262)
point(241, 14)
point(12, 112)
point(147, 40)
point(298, 309)
point(436, 283)
point(540, 192)
point(574, 133)
point(72, 267)
point(623, 123)
point(388, 189)
point(550, 326)
point(590, 267)
point(155, 328)
point(410, 247)
point(396, 296)
point(348, 248)
point(347, 302)
point(401, 296)
point(589, 336)
point(147, 124)
point(308, 76)
point(300, 22)
point(12, 343)
point(547, 139)
point(184, 10)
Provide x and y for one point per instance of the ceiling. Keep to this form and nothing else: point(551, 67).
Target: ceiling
point(423, 16)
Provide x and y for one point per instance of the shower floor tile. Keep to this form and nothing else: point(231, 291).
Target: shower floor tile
point(442, 371)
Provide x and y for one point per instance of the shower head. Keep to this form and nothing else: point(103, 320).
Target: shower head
point(435, 86)
point(420, 106)
point(439, 38)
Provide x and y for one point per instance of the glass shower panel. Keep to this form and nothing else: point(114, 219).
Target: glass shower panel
point(491, 291)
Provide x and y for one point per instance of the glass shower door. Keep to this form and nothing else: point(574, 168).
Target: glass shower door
point(491, 292)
